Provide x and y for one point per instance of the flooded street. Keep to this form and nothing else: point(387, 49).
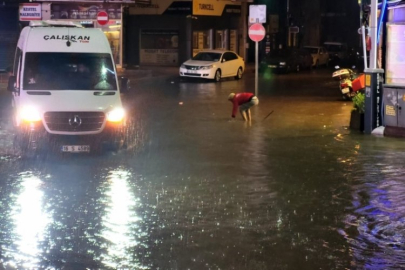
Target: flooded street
point(294, 189)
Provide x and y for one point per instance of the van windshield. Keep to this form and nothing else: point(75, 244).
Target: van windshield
point(68, 71)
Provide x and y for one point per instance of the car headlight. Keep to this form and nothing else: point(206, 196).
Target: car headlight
point(116, 115)
point(182, 66)
point(206, 67)
point(30, 114)
point(282, 63)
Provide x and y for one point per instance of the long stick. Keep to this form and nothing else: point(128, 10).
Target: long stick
point(267, 115)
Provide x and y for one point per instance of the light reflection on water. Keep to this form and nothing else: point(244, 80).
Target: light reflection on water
point(121, 222)
point(281, 202)
point(31, 220)
point(374, 225)
point(54, 227)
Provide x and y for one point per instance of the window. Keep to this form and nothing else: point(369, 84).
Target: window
point(69, 71)
point(205, 56)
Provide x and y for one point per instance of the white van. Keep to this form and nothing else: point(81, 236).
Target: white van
point(65, 89)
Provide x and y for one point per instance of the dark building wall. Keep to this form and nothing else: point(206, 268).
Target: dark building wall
point(340, 22)
point(182, 24)
point(9, 31)
point(312, 22)
point(136, 23)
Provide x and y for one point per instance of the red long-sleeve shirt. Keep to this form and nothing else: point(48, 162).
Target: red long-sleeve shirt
point(240, 99)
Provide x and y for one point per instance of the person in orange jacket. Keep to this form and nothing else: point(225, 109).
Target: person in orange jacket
point(244, 101)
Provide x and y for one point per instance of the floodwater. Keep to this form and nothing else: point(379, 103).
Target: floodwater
point(294, 189)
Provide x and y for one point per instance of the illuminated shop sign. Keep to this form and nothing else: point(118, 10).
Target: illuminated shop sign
point(215, 8)
point(30, 12)
point(195, 7)
point(83, 12)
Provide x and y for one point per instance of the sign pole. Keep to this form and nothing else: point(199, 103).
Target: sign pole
point(256, 68)
point(256, 34)
point(257, 13)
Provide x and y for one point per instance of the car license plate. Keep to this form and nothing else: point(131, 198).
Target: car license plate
point(345, 90)
point(75, 148)
point(191, 71)
point(272, 66)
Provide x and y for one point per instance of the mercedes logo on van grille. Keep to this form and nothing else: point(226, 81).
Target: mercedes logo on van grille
point(75, 121)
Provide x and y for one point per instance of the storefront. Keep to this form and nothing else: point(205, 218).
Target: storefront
point(86, 13)
point(395, 46)
point(167, 32)
point(391, 58)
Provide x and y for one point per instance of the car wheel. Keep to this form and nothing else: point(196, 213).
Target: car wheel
point(317, 64)
point(239, 74)
point(217, 76)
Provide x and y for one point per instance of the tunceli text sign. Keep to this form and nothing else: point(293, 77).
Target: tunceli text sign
point(215, 8)
point(30, 12)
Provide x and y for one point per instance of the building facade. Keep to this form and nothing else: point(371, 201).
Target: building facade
point(167, 32)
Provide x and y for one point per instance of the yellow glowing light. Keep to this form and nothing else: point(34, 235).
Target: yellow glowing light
point(30, 114)
point(116, 115)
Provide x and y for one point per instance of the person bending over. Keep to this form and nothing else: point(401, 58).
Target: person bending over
point(244, 101)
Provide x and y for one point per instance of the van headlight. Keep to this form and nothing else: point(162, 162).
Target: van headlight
point(30, 114)
point(116, 115)
point(282, 63)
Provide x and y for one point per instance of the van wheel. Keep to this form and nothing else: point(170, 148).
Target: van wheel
point(217, 76)
point(239, 74)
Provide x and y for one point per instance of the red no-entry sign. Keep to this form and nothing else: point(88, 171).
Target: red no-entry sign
point(257, 32)
point(102, 17)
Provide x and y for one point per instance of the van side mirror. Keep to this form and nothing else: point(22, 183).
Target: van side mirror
point(124, 85)
point(11, 84)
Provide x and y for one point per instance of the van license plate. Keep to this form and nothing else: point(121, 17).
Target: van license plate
point(75, 148)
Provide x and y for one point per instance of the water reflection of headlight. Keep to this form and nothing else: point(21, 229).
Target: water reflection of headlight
point(120, 219)
point(31, 221)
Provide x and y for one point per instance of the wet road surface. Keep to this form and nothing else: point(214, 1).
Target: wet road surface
point(295, 190)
